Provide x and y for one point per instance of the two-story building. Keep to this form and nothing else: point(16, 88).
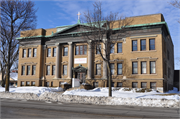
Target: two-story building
point(143, 59)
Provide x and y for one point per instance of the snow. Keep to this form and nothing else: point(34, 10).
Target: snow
point(100, 92)
point(32, 89)
point(14, 76)
point(64, 83)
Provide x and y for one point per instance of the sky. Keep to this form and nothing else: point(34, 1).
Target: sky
point(55, 13)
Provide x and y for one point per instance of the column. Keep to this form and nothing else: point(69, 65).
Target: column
point(57, 60)
point(70, 60)
point(89, 61)
point(104, 63)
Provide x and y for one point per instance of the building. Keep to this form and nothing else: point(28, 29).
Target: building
point(13, 78)
point(176, 79)
point(48, 57)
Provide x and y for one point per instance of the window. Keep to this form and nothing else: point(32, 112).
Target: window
point(95, 84)
point(33, 70)
point(27, 83)
point(47, 84)
point(119, 84)
point(33, 83)
point(53, 69)
point(22, 83)
point(23, 70)
point(51, 84)
point(49, 52)
point(65, 51)
point(134, 85)
point(134, 45)
point(152, 85)
point(143, 44)
point(54, 52)
point(151, 44)
point(98, 47)
point(81, 50)
point(119, 47)
point(29, 52)
point(119, 67)
point(112, 48)
point(143, 67)
point(64, 69)
point(112, 84)
point(34, 52)
point(169, 72)
point(28, 70)
point(98, 69)
point(47, 70)
point(143, 85)
point(112, 68)
point(24, 53)
point(134, 67)
point(152, 67)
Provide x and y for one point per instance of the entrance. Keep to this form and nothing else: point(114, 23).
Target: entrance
point(81, 76)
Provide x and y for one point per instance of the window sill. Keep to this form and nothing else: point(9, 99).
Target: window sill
point(144, 51)
point(80, 55)
point(28, 57)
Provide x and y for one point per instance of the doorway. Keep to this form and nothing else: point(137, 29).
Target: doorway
point(81, 76)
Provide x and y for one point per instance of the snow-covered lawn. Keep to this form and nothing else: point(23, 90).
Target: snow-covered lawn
point(31, 89)
point(124, 94)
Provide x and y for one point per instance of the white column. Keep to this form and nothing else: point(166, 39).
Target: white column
point(89, 61)
point(57, 60)
point(70, 60)
point(104, 63)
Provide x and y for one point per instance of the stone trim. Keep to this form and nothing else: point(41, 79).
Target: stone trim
point(147, 36)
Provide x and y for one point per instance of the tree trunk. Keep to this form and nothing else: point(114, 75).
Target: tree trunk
point(8, 71)
point(109, 79)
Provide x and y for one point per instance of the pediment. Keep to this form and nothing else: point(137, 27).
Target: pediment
point(79, 68)
point(76, 28)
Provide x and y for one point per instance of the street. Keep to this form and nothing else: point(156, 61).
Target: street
point(41, 109)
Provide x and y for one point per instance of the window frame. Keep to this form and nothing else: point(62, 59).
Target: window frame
point(152, 44)
point(134, 67)
point(24, 53)
point(84, 49)
point(98, 70)
point(33, 70)
point(48, 71)
point(64, 70)
point(54, 52)
point(28, 70)
point(97, 47)
point(143, 67)
point(53, 69)
point(133, 85)
point(119, 68)
point(141, 45)
point(119, 47)
point(112, 69)
point(34, 52)
point(48, 53)
point(65, 53)
point(152, 86)
point(151, 67)
point(136, 45)
point(23, 71)
point(29, 52)
point(22, 82)
point(142, 85)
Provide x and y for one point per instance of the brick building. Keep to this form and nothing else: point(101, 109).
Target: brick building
point(48, 57)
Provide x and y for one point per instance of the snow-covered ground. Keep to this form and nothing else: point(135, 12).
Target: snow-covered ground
point(100, 92)
point(32, 89)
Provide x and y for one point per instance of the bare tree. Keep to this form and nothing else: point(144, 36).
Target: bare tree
point(16, 16)
point(104, 30)
point(176, 4)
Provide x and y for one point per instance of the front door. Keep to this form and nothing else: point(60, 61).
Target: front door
point(81, 76)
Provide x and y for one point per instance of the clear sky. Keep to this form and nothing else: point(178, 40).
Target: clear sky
point(64, 12)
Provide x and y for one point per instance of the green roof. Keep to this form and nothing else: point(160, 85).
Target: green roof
point(86, 24)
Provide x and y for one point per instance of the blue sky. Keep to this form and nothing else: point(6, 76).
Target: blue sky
point(64, 12)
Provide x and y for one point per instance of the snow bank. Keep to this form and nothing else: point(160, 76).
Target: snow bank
point(99, 92)
point(32, 89)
